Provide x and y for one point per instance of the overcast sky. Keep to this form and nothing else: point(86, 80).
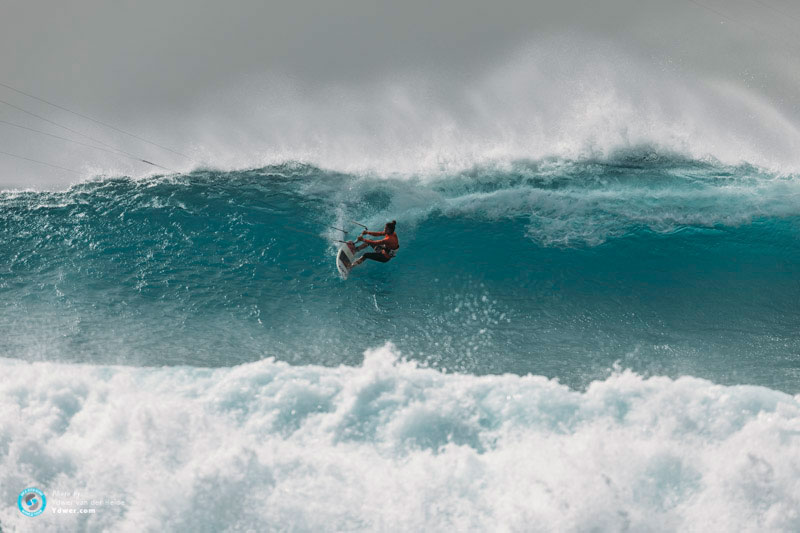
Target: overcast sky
point(155, 67)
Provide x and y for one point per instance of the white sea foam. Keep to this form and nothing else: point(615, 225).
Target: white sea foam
point(568, 98)
point(391, 446)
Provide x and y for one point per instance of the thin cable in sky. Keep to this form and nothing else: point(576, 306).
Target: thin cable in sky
point(95, 120)
point(40, 162)
point(69, 140)
point(776, 10)
point(115, 149)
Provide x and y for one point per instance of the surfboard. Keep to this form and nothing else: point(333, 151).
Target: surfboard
point(344, 258)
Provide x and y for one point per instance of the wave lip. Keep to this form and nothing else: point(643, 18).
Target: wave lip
point(392, 446)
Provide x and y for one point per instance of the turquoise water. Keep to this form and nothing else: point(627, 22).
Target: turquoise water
point(662, 265)
point(579, 345)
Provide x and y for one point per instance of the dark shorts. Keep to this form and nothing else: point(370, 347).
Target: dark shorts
point(375, 256)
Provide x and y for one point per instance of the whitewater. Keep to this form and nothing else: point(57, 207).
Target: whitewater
point(387, 445)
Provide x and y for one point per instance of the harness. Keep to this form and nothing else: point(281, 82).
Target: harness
point(385, 251)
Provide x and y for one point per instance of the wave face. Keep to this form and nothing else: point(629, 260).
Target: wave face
point(560, 268)
point(389, 446)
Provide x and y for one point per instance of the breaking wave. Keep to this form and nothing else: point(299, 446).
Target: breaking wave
point(387, 445)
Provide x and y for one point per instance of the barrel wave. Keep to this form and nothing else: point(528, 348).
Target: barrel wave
point(584, 344)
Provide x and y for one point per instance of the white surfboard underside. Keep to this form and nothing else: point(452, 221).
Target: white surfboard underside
point(344, 259)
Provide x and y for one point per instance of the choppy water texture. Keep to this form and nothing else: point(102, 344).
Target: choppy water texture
point(555, 268)
point(656, 266)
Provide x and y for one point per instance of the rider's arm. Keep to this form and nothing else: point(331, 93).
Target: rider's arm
point(374, 233)
point(368, 241)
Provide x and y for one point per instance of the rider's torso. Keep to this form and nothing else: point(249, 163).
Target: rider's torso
point(388, 245)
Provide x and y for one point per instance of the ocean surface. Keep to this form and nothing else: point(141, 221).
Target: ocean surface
point(590, 344)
